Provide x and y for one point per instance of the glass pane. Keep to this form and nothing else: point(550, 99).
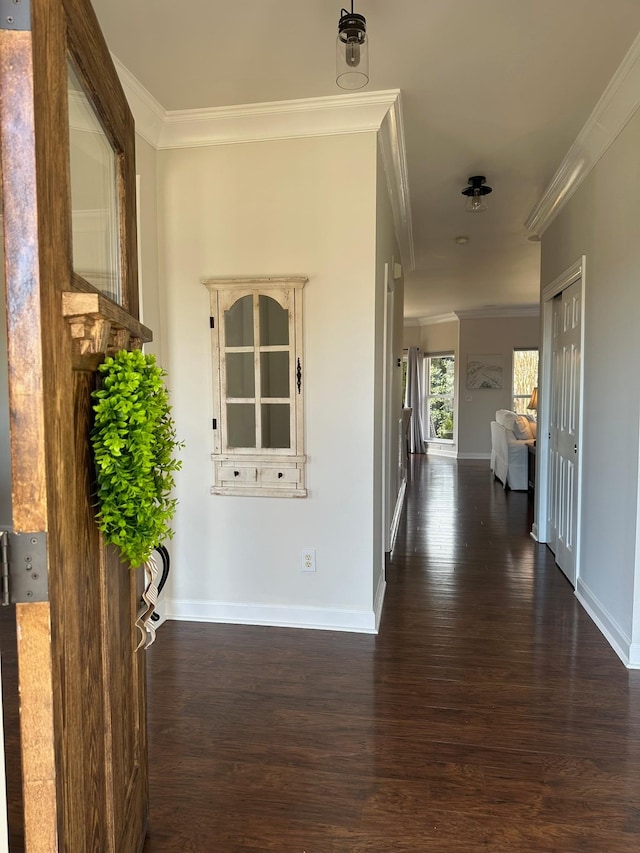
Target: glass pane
point(441, 374)
point(238, 320)
point(241, 425)
point(275, 425)
point(274, 374)
point(241, 378)
point(441, 418)
point(274, 323)
point(94, 196)
point(525, 371)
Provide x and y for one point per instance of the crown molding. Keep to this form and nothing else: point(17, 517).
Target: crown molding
point(497, 312)
point(437, 319)
point(357, 112)
point(391, 142)
point(329, 116)
point(617, 105)
point(149, 114)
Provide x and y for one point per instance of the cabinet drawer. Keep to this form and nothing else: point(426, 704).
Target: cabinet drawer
point(272, 476)
point(237, 474)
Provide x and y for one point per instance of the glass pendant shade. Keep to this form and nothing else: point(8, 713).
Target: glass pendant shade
point(476, 194)
point(475, 203)
point(352, 52)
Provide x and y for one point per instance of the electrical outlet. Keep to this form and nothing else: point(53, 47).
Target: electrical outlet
point(308, 560)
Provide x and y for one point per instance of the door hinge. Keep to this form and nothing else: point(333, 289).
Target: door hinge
point(15, 15)
point(215, 423)
point(212, 322)
point(23, 567)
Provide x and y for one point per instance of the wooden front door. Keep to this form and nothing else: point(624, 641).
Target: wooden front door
point(68, 195)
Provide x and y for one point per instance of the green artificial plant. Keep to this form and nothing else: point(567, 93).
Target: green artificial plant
point(134, 442)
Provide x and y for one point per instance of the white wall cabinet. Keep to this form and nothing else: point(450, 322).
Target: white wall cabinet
point(256, 329)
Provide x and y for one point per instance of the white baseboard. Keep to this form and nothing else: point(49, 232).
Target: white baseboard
point(320, 618)
point(379, 602)
point(534, 532)
point(440, 450)
point(395, 521)
point(474, 455)
point(616, 637)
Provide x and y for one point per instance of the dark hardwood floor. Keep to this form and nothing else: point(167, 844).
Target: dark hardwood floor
point(489, 714)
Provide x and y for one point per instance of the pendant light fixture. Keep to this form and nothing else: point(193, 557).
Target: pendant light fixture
point(476, 192)
point(352, 50)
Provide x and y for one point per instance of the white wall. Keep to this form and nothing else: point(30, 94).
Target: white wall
point(477, 408)
point(601, 221)
point(440, 337)
point(278, 207)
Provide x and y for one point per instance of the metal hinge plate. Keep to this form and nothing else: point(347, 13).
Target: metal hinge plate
point(15, 15)
point(23, 562)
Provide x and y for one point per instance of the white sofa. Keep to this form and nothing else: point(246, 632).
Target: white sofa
point(510, 435)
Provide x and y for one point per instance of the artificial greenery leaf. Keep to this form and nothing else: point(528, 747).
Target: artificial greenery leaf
point(134, 442)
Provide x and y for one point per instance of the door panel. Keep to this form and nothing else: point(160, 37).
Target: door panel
point(81, 680)
point(564, 428)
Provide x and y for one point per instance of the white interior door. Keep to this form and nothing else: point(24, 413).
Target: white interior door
point(564, 428)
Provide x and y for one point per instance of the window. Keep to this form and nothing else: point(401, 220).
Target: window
point(439, 397)
point(525, 378)
point(256, 327)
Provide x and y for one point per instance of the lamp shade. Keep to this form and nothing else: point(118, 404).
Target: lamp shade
point(352, 51)
point(533, 402)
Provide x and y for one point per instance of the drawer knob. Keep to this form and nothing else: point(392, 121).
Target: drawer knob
point(236, 473)
point(280, 475)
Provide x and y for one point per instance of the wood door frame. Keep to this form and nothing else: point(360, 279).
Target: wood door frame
point(576, 272)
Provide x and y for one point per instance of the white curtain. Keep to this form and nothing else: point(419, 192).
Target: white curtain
point(413, 400)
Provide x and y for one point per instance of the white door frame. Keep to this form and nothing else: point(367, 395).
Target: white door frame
point(540, 531)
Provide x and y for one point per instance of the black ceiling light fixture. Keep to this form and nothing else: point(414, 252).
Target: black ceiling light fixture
point(352, 50)
point(476, 192)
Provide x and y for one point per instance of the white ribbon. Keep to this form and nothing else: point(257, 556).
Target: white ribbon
point(144, 623)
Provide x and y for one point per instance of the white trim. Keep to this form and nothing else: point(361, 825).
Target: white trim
point(435, 449)
point(337, 114)
point(391, 141)
point(397, 514)
point(149, 114)
point(473, 456)
point(379, 602)
point(618, 103)
point(436, 319)
point(411, 322)
point(615, 635)
point(564, 280)
point(576, 272)
point(320, 618)
point(497, 311)
point(534, 532)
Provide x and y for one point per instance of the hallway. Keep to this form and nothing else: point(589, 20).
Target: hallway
point(488, 715)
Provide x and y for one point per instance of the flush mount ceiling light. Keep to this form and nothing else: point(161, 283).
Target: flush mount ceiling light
point(352, 50)
point(475, 192)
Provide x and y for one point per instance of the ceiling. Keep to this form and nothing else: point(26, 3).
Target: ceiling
point(493, 87)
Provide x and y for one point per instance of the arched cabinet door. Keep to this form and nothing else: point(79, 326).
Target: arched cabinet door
point(69, 227)
point(256, 328)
